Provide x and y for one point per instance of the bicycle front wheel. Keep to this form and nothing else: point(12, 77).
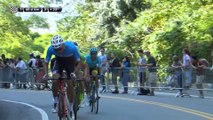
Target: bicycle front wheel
point(94, 100)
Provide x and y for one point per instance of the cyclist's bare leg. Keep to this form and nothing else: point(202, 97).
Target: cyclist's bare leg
point(70, 92)
point(55, 89)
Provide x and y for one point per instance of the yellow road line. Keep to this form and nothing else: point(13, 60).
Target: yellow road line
point(174, 107)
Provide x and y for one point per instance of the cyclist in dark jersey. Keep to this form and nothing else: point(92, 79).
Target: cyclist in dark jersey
point(66, 54)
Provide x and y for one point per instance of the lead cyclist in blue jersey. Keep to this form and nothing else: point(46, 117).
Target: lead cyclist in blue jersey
point(66, 55)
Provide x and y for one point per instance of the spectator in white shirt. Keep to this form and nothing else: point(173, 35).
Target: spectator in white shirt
point(21, 66)
point(103, 58)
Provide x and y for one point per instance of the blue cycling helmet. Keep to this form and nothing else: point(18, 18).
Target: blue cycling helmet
point(93, 50)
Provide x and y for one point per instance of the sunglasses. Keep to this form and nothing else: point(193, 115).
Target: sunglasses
point(93, 53)
point(59, 49)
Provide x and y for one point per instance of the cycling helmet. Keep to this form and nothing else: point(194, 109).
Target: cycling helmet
point(57, 42)
point(93, 50)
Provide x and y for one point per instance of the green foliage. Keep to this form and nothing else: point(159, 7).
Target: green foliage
point(15, 36)
point(164, 27)
point(35, 21)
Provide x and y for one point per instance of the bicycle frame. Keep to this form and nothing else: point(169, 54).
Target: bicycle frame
point(63, 103)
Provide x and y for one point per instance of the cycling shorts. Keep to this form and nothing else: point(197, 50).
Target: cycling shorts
point(64, 63)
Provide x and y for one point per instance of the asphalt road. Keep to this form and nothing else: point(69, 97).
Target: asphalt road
point(36, 105)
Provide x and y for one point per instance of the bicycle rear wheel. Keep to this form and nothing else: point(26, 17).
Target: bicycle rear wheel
point(76, 101)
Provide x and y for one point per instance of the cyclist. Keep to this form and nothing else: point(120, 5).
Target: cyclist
point(83, 75)
point(93, 62)
point(66, 54)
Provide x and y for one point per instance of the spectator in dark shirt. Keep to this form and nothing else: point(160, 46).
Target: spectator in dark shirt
point(151, 64)
point(115, 69)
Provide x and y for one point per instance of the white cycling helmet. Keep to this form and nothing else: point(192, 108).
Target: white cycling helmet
point(57, 42)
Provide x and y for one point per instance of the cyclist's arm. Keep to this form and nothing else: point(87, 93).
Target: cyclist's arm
point(48, 57)
point(78, 59)
point(46, 68)
point(86, 70)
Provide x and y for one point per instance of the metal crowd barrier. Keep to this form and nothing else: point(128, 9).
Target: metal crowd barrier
point(22, 78)
point(166, 79)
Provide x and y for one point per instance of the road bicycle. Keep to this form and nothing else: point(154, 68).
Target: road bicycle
point(93, 92)
point(78, 95)
point(63, 102)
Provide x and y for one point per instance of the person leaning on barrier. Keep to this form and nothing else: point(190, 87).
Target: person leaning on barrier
point(151, 64)
point(199, 65)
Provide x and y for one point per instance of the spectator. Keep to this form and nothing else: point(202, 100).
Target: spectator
point(200, 65)
point(3, 59)
point(151, 64)
point(2, 65)
point(142, 72)
point(32, 62)
point(39, 62)
point(40, 70)
point(115, 69)
point(177, 65)
point(103, 58)
point(20, 66)
point(187, 68)
point(21, 71)
point(125, 76)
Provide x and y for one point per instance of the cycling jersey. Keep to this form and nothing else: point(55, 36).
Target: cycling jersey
point(93, 64)
point(70, 50)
